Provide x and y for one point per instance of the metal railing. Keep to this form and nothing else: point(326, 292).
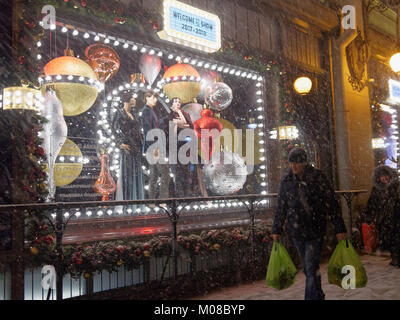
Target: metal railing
point(173, 208)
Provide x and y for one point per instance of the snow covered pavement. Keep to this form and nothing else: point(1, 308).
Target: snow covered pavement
point(383, 284)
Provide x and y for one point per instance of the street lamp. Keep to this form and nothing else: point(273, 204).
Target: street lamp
point(303, 85)
point(395, 62)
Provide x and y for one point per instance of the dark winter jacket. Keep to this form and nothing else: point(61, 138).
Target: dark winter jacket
point(128, 131)
point(149, 121)
point(320, 198)
point(175, 115)
point(383, 207)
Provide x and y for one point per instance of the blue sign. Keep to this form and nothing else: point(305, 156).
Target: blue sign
point(192, 24)
point(394, 88)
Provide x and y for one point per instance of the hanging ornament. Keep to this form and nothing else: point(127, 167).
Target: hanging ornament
point(207, 122)
point(194, 110)
point(225, 174)
point(105, 184)
point(74, 81)
point(103, 60)
point(55, 133)
point(150, 66)
point(182, 81)
point(208, 77)
point(218, 96)
point(68, 165)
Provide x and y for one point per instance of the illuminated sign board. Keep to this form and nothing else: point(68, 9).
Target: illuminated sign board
point(394, 90)
point(189, 26)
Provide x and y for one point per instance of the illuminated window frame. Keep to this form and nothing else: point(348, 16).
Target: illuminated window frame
point(107, 106)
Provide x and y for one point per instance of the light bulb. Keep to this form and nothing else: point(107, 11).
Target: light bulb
point(395, 62)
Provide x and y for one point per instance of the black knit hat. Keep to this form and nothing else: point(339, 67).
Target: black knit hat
point(297, 155)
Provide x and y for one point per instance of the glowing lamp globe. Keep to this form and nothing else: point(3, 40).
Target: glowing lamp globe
point(395, 62)
point(75, 86)
point(182, 81)
point(303, 85)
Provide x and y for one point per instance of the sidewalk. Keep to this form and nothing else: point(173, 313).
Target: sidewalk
point(383, 284)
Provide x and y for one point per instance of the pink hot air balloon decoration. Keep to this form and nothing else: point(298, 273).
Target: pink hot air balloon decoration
point(150, 66)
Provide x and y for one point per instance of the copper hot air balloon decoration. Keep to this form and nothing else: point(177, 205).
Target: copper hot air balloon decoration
point(105, 184)
point(103, 60)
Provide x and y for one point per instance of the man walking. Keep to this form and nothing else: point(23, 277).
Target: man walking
point(305, 197)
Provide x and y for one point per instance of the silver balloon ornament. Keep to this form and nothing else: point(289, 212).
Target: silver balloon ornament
point(225, 174)
point(150, 66)
point(218, 96)
point(208, 77)
point(194, 110)
point(55, 133)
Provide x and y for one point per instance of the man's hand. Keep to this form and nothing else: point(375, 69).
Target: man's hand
point(341, 236)
point(125, 146)
point(276, 237)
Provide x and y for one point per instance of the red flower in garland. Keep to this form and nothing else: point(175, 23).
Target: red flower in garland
point(77, 258)
point(21, 60)
point(120, 249)
point(120, 20)
point(39, 151)
point(84, 3)
point(47, 239)
point(119, 11)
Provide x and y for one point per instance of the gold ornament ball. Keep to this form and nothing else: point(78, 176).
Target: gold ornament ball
point(66, 172)
point(76, 98)
point(187, 91)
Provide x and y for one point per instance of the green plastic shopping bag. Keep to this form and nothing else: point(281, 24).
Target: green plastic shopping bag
point(281, 272)
point(345, 255)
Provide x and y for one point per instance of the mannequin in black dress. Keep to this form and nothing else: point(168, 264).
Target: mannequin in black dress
point(129, 138)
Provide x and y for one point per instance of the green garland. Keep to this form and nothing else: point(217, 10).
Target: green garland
point(29, 159)
point(90, 258)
